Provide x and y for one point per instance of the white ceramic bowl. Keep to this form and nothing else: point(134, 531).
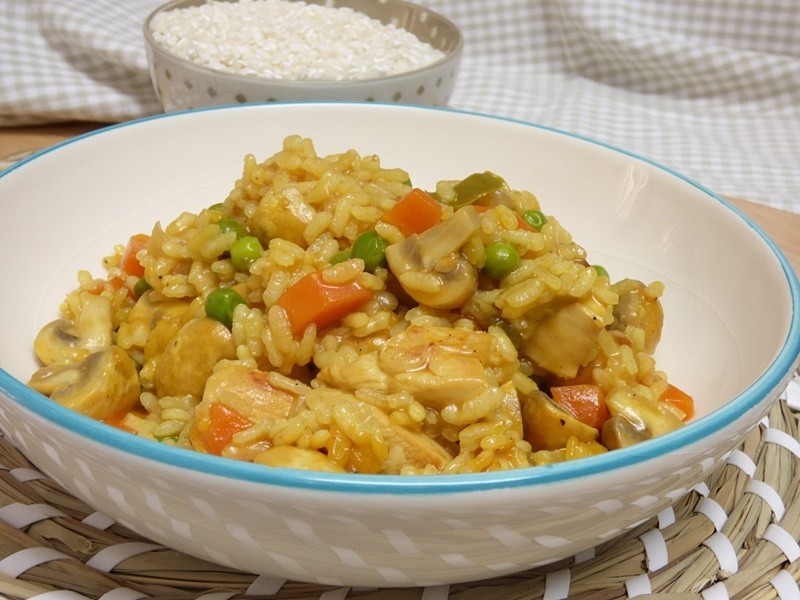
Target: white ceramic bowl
point(181, 84)
point(732, 337)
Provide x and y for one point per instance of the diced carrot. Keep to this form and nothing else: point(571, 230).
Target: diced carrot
point(414, 213)
point(521, 223)
point(115, 283)
point(680, 400)
point(97, 288)
point(583, 401)
point(224, 422)
point(129, 263)
point(117, 421)
point(312, 300)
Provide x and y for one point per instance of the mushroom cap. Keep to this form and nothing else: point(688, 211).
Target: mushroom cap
point(102, 385)
point(450, 284)
point(619, 432)
point(639, 308)
point(429, 265)
point(59, 342)
point(62, 341)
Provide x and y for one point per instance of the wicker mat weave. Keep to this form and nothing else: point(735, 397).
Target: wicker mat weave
point(735, 536)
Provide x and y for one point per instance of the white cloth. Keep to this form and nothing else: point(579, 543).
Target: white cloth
point(710, 88)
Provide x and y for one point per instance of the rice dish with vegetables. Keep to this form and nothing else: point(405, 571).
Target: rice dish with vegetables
point(328, 315)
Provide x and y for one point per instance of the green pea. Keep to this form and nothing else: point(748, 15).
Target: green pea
point(341, 256)
point(371, 248)
point(535, 218)
point(245, 251)
point(500, 259)
point(226, 225)
point(141, 287)
point(512, 332)
point(221, 303)
point(601, 271)
point(219, 206)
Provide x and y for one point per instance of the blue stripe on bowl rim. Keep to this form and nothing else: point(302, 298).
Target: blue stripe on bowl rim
point(774, 378)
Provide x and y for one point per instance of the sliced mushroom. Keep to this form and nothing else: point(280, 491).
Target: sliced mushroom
point(512, 409)
point(102, 385)
point(562, 341)
point(429, 267)
point(189, 359)
point(63, 342)
point(618, 433)
point(160, 318)
point(639, 308)
point(548, 426)
point(650, 419)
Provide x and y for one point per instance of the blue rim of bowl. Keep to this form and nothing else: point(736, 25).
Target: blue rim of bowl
point(776, 375)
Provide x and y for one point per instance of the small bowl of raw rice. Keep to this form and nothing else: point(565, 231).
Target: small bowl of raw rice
point(208, 53)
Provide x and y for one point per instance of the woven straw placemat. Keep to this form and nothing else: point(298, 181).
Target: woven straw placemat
point(734, 536)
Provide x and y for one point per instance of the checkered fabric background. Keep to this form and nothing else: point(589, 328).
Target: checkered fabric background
point(710, 88)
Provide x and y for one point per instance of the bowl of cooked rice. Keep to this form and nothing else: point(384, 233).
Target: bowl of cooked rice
point(240, 51)
point(344, 343)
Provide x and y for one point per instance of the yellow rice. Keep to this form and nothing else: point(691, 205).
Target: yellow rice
point(344, 397)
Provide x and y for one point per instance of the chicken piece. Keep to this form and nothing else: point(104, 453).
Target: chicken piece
point(296, 458)
point(420, 450)
point(439, 366)
point(363, 372)
point(189, 358)
point(247, 393)
point(105, 384)
point(562, 341)
point(637, 306)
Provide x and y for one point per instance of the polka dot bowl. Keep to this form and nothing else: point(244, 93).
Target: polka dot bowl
point(731, 337)
point(181, 84)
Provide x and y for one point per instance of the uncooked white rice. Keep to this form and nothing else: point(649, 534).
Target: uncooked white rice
point(290, 40)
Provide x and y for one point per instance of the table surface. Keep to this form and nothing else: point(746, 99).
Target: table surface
point(782, 226)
